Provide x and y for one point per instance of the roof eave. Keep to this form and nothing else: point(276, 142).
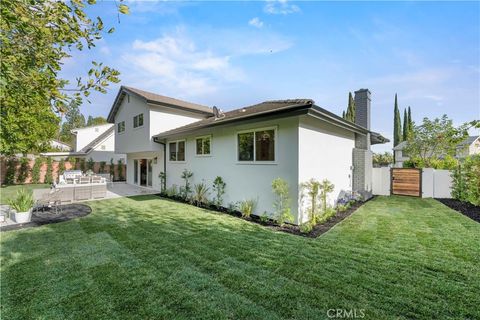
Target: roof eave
point(169, 105)
point(335, 120)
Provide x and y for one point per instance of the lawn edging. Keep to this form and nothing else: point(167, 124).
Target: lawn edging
point(465, 208)
point(316, 231)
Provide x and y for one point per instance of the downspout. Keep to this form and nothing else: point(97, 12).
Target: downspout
point(164, 186)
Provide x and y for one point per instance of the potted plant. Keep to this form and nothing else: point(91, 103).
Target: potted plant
point(22, 206)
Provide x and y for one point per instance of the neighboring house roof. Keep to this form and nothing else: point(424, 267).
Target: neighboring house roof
point(89, 147)
point(62, 143)
point(75, 130)
point(400, 146)
point(288, 107)
point(154, 98)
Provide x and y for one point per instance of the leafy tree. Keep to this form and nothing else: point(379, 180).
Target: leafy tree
point(120, 170)
point(90, 164)
point(83, 166)
point(282, 201)
point(49, 174)
point(61, 167)
point(219, 190)
point(36, 37)
point(350, 115)
point(112, 169)
point(405, 125)
point(186, 189)
point(325, 187)
point(435, 139)
point(10, 171)
point(101, 168)
point(95, 121)
point(397, 124)
point(73, 119)
point(382, 159)
point(24, 170)
point(312, 187)
point(466, 180)
point(410, 121)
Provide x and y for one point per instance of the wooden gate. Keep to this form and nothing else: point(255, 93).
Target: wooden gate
point(406, 182)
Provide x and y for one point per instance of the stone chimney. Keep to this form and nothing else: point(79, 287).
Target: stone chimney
point(362, 108)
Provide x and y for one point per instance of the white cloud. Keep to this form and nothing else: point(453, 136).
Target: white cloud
point(280, 7)
point(256, 22)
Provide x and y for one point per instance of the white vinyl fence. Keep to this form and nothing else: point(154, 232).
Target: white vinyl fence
point(435, 183)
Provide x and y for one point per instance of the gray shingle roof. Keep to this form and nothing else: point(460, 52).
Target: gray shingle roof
point(154, 98)
point(468, 141)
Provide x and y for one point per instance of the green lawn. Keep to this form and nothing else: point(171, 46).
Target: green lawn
point(143, 257)
point(9, 192)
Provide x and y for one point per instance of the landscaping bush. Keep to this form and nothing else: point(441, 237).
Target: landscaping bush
point(312, 187)
point(447, 163)
point(23, 201)
point(466, 180)
point(24, 170)
point(120, 170)
point(83, 166)
point(10, 171)
point(281, 205)
point(61, 167)
point(49, 174)
point(101, 169)
point(247, 207)
point(163, 181)
point(172, 191)
point(36, 169)
point(219, 190)
point(200, 193)
point(186, 190)
point(90, 164)
point(112, 169)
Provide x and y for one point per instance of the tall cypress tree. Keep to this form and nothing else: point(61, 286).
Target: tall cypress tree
point(397, 124)
point(405, 125)
point(410, 121)
point(343, 114)
point(350, 115)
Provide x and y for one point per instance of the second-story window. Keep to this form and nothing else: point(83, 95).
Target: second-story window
point(121, 127)
point(138, 120)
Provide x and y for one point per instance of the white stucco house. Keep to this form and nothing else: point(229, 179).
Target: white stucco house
point(96, 142)
point(469, 146)
point(248, 147)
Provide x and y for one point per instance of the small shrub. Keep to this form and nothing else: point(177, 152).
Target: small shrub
point(327, 214)
point(90, 164)
point(49, 174)
point(24, 170)
point(120, 170)
point(72, 161)
point(264, 217)
point(10, 171)
point(36, 170)
point(281, 205)
point(219, 190)
point(306, 227)
point(112, 169)
point(312, 188)
point(342, 207)
point(101, 168)
point(83, 166)
point(186, 190)
point(172, 191)
point(163, 181)
point(326, 187)
point(23, 201)
point(200, 193)
point(232, 207)
point(247, 207)
point(466, 180)
point(61, 167)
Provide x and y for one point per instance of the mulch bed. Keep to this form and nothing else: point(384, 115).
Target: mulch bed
point(465, 208)
point(40, 218)
point(316, 231)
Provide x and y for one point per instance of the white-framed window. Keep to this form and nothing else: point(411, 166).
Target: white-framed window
point(257, 145)
point(203, 145)
point(176, 150)
point(121, 127)
point(138, 120)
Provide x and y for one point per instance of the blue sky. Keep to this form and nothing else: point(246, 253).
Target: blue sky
point(233, 54)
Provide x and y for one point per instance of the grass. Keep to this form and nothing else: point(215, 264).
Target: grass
point(9, 192)
point(144, 257)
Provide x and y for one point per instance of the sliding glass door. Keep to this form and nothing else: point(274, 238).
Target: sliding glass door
point(142, 172)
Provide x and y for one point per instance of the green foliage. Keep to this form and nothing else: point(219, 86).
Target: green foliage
point(405, 125)
point(102, 165)
point(350, 115)
point(232, 207)
point(37, 37)
point(10, 171)
point(112, 168)
point(90, 164)
point(95, 121)
point(120, 170)
point(264, 217)
point(382, 159)
point(36, 169)
point(49, 174)
point(466, 180)
point(186, 190)
point(73, 162)
point(435, 139)
point(23, 201)
point(247, 207)
point(410, 122)
point(312, 187)
point(200, 194)
point(281, 205)
point(306, 227)
point(74, 119)
point(24, 170)
point(172, 191)
point(342, 208)
point(397, 124)
point(219, 190)
point(326, 215)
point(163, 181)
point(326, 187)
point(83, 165)
point(61, 167)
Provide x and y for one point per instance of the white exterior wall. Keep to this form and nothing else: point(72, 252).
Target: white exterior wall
point(381, 181)
point(156, 167)
point(243, 181)
point(428, 182)
point(325, 152)
point(163, 119)
point(86, 135)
